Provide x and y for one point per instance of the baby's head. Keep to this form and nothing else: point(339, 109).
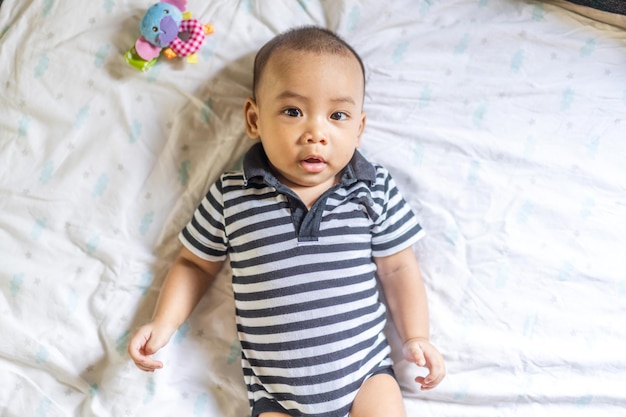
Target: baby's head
point(302, 39)
point(307, 108)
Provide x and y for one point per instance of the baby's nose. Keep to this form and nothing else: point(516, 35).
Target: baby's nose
point(317, 139)
point(316, 133)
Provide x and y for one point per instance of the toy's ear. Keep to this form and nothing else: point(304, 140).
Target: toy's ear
point(181, 4)
point(146, 50)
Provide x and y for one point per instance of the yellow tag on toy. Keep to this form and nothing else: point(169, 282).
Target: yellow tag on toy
point(192, 59)
point(186, 15)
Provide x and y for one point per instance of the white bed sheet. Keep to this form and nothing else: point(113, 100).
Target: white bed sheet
point(502, 121)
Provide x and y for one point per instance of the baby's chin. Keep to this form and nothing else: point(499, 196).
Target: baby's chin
point(309, 180)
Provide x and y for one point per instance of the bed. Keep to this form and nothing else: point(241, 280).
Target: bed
point(502, 121)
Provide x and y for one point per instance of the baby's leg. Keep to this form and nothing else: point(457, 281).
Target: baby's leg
point(379, 396)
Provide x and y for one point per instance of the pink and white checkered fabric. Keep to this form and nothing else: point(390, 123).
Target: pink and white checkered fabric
point(196, 36)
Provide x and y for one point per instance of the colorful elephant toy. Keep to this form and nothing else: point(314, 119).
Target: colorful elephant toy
point(161, 29)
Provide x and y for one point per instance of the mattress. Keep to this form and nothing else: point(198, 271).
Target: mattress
point(502, 122)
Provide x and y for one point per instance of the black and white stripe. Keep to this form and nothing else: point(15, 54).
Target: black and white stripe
point(308, 312)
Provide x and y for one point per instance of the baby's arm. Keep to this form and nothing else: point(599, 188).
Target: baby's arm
point(406, 299)
point(185, 284)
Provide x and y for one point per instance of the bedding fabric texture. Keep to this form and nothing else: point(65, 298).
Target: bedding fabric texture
point(501, 121)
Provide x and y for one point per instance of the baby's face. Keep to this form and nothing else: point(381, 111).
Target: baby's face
point(308, 115)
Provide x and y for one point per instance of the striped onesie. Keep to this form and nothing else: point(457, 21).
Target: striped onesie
point(309, 317)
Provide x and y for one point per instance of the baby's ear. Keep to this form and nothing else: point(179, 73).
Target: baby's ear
point(361, 127)
point(251, 114)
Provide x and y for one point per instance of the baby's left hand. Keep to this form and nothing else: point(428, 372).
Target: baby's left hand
point(421, 352)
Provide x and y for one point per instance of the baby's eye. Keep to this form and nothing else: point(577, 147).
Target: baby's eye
point(339, 116)
point(292, 112)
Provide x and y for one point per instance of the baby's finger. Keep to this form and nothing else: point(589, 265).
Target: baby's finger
point(422, 382)
point(148, 364)
point(142, 360)
point(416, 355)
point(426, 383)
point(431, 380)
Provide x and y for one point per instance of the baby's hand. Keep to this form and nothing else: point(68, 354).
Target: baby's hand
point(421, 352)
point(146, 342)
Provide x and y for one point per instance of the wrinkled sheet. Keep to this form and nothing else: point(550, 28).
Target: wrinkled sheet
point(503, 123)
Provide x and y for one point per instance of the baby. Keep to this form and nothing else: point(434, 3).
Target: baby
point(307, 225)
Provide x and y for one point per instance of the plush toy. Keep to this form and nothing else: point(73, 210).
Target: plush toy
point(167, 27)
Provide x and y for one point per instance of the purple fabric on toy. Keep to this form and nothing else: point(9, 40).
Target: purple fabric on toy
point(181, 4)
point(170, 31)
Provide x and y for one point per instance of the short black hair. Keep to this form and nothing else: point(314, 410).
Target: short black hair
point(304, 38)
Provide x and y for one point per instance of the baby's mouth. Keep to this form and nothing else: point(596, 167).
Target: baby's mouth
point(313, 164)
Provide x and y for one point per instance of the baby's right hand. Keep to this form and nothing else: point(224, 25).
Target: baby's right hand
point(145, 343)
